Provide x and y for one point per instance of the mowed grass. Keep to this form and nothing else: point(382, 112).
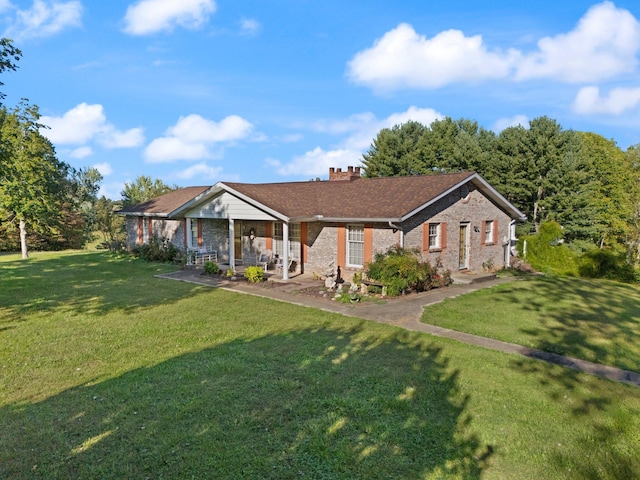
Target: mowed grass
point(595, 320)
point(108, 372)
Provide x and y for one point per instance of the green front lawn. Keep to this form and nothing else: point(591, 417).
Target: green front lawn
point(595, 320)
point(107, 372)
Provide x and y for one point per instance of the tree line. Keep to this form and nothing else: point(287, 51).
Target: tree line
point(580, 180)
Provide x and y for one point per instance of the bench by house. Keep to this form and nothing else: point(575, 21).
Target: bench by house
point(198, 256)
point(365, 284)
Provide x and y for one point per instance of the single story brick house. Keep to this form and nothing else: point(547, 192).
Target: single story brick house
point(456, 218)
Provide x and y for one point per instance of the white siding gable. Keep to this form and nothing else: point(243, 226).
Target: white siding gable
point(226, 205)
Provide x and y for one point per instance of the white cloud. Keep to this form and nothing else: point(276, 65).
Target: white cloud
point(193, 136)
point(201, 171)
point(5, 5)
point(43, 19)
point(249, 27)
point(112, 138)
point(316, 163)
point(504, 123)
point(152, 16)
point(363, 127)
point(81, 152)
point(588, 101)
point(402, 58)
point(111, 190)
point(604, 44)
point(104, 168)
point(360, 130)
point(85, 123)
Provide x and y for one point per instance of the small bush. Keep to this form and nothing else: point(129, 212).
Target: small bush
point(254, 274)
point(602, 263)
point(157, 250)
point(211, 268)
point(546, 252)
point(401, 270)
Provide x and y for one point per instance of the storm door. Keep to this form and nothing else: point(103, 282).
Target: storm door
point(463, 251)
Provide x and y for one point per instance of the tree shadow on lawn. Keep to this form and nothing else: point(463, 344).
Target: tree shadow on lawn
point(609, 447)
point(310, 403)
point(578, 317)
point(83, 283)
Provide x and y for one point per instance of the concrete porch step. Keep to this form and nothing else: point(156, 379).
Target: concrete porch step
point(469, 277)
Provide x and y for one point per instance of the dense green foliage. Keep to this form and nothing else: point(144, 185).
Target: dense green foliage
point(547, 252)
point(142, 189)
point(402, 270)
point(110, 225)
point(157, 250)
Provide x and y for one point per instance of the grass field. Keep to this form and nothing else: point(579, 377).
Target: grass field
point(596, 320)
point(108, 372)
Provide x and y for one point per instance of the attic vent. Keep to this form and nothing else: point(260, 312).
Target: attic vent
point(464, 191)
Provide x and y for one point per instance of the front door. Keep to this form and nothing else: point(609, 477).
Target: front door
point(463, 251)
point(237, 242)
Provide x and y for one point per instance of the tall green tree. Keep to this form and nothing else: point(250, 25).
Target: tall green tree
point(110, 225)
point(395, 151)
point(612, 189)
point(142, 189)
point(32, 179)
point(411, 148)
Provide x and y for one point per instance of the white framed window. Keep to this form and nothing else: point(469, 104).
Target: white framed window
point(435, 238)
point(489, 232)
point(355, 245)
point(294, 240)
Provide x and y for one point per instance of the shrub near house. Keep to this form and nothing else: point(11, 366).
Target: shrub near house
point(402, 270)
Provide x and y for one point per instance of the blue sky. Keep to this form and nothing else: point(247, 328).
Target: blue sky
point(198, 91)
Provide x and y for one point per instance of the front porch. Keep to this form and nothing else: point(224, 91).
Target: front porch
point(272, 273)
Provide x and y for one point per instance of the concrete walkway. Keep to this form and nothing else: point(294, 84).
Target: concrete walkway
point(405, 312)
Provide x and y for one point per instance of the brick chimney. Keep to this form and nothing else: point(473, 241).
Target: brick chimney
point(336, 174)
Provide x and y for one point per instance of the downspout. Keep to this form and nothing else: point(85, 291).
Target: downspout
point(398, 228)
point(511, 237)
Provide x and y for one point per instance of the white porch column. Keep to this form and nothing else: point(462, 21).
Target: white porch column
point(188, 233)
point(285, 251)
point(232, 245)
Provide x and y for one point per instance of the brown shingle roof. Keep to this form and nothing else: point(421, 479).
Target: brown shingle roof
point(165, 204)
point(375, 198)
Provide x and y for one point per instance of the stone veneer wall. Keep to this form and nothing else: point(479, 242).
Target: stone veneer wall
point(131, 226)
point(454, 209)
point(163, 228)
point(215, 235)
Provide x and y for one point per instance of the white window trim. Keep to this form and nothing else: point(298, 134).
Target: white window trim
point(349, 241)
point(438, 236)
point(490, 233)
